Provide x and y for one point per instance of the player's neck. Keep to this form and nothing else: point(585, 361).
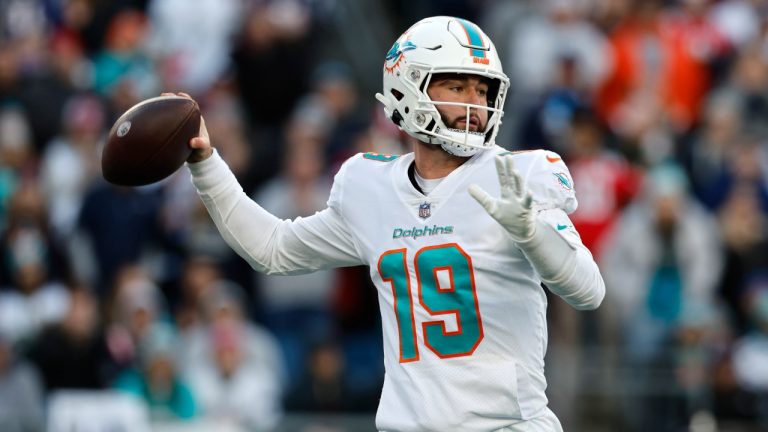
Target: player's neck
point(432, 162)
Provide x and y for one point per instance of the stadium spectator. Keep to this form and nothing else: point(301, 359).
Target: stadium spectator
point(69, 163)
point(609, 182)
point(72, 353)
point(663, 259)
point(273, 33)
point(233, 385)
point(16, 154)
point(745, 241)
point(198, 276)
point(323, 387)
point(21, 392)
point(193, 60)
point(708, 153)
point(33, 267)
point(651, 64)
point(749, 353)
point(559, 31)
point(223, 304)
point(662, 266)
point(123, 61)
point(156, 379)
point(118, 225)
point(135, 306)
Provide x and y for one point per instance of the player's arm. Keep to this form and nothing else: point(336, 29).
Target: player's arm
point(566, 266)
point(269, 244)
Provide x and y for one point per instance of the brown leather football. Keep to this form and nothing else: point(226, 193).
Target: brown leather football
point(150, 141)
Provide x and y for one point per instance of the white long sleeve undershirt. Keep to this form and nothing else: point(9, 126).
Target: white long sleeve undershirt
point(269, 244)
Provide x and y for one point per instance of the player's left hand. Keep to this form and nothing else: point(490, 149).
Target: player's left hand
point(514, 208)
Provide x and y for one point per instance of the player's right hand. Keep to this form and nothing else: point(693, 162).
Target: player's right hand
point(201, 144)
point(514, 208)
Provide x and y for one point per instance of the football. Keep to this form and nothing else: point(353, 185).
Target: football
point(150, 141)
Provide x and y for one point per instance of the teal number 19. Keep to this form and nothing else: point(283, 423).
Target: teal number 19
point(458, 298)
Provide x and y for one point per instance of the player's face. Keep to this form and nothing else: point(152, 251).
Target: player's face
point(469, 89)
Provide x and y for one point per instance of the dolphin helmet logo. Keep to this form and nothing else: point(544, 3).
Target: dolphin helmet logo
point(395, 55)
point(564, 181)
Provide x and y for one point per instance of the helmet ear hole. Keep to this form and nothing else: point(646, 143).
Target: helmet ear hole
point(397, 94)
point(397, 118)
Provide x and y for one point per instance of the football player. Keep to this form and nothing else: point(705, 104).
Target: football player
point(458, 235)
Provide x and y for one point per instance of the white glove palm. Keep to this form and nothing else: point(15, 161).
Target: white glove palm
point(513, 209)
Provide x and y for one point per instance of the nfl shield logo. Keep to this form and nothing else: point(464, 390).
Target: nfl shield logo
point(424, 211)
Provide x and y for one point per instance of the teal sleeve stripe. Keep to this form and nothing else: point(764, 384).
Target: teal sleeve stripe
point(380, 157)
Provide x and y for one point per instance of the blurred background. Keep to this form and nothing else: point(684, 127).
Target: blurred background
point(123, 309)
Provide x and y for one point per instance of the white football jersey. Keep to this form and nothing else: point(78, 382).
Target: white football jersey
point(463, 312)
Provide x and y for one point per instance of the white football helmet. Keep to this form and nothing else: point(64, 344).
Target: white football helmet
point(439, 45)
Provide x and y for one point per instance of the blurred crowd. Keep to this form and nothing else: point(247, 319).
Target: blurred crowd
point(658, 107)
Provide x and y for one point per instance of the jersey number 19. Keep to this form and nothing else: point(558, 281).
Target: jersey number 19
point(445, 286)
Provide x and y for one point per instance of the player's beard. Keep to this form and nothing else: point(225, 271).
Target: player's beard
point(454, 124)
